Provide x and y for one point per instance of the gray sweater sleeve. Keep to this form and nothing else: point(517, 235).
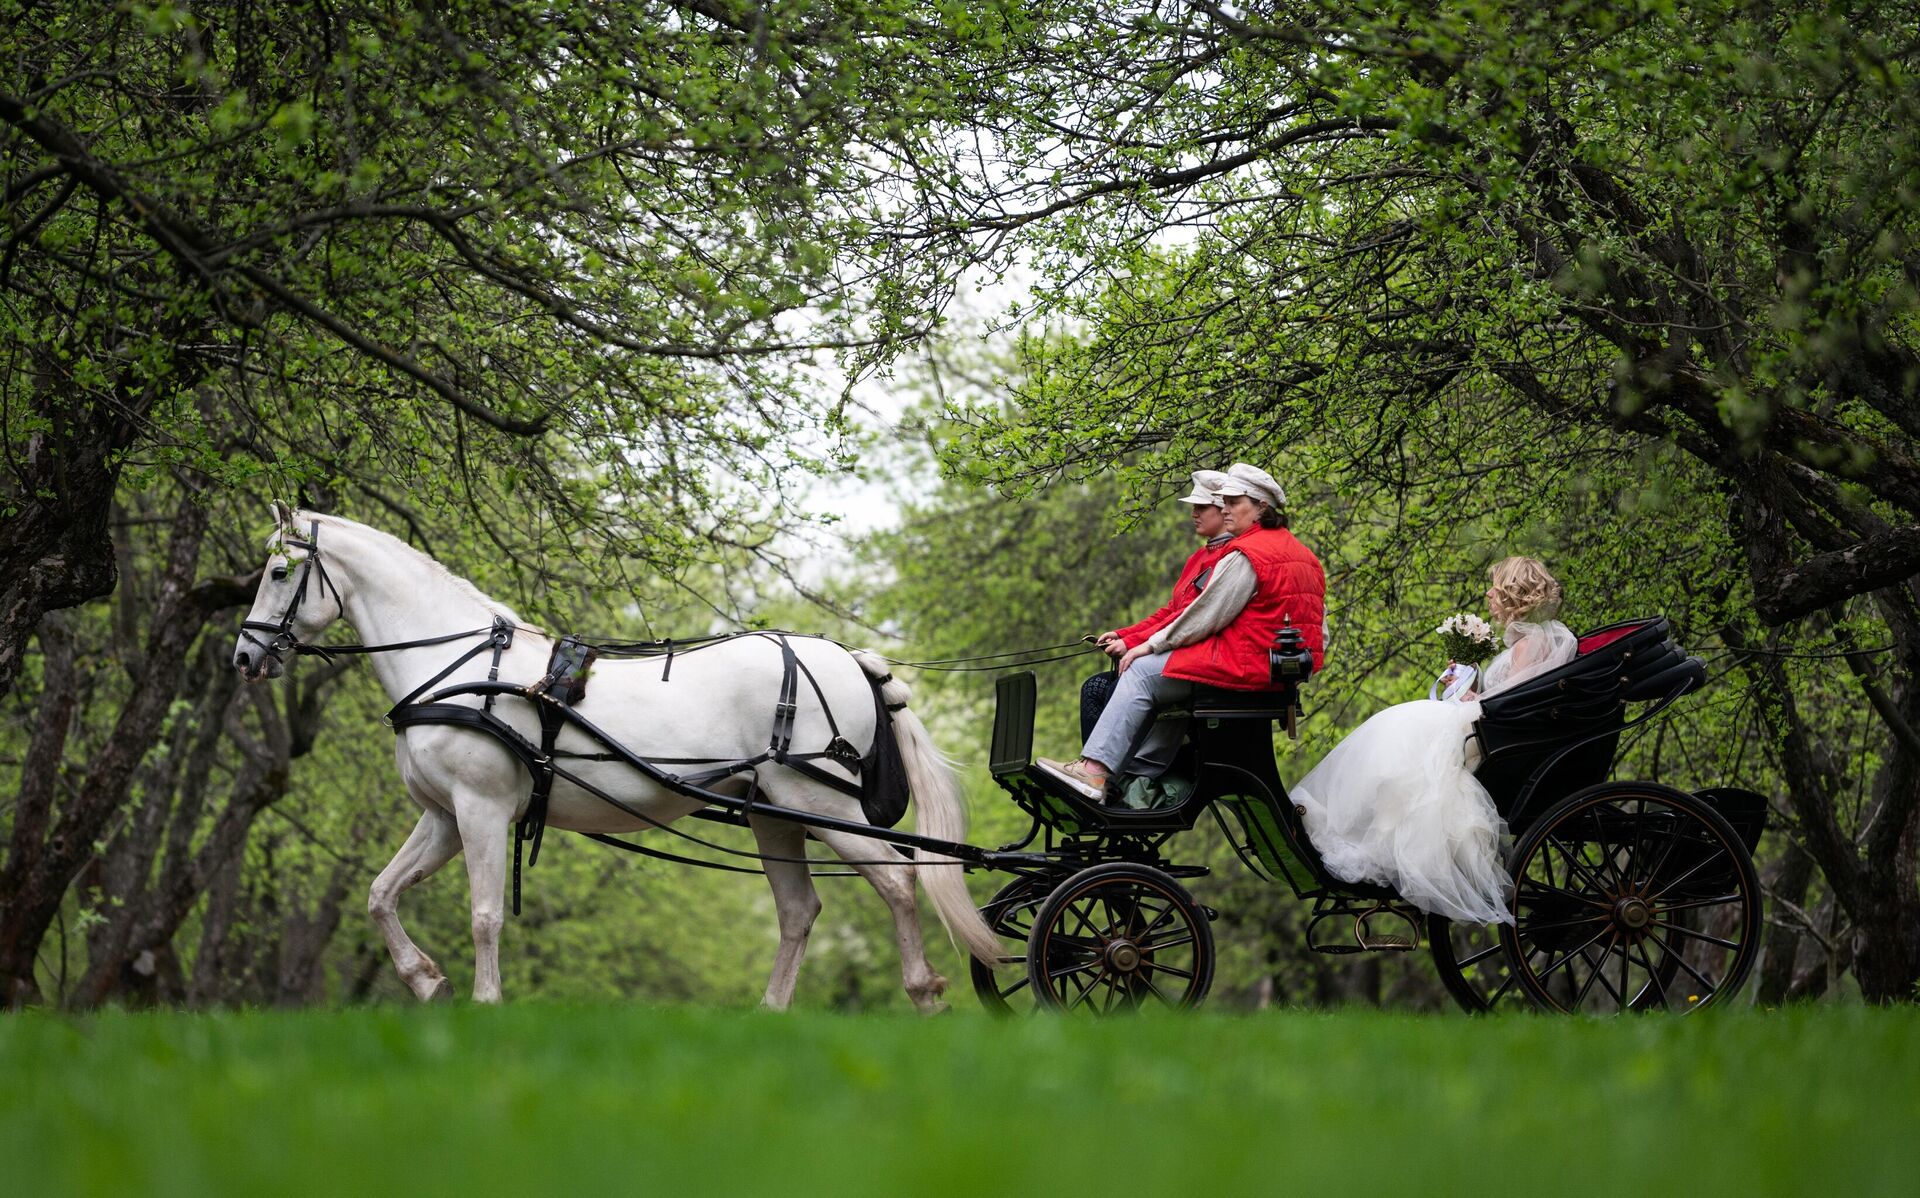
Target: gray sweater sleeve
point(1232, 584)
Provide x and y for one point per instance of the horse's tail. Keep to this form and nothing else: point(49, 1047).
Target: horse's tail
point(942, 816)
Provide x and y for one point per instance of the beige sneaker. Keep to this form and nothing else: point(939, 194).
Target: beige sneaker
point(1093, 786)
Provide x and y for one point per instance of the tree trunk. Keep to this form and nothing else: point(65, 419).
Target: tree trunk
point(56, 551)
point(1783, 938)
point(1886, 913)
point(49, 868)
point(40, 776)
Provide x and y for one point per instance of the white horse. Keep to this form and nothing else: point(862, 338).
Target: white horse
point(717, 704)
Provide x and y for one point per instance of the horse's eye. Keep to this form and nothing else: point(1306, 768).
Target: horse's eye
point(279, 573)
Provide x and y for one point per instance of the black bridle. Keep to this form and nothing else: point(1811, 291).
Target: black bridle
point(499, 634)
point(310, 567)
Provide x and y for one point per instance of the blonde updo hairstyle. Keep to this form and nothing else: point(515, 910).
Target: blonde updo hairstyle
point(1523, 587)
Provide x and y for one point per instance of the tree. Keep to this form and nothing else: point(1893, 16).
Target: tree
point(590, 255)
point(1505, 255)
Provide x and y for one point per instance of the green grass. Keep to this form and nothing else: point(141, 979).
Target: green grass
point(583, 1100)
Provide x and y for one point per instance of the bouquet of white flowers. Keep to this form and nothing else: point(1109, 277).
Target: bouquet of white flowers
point(1467, 638)
point(1468, 641)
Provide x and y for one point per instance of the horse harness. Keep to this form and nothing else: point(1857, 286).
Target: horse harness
point(881, 785)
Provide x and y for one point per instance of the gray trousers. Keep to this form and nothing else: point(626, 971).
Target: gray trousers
point(1142, 689)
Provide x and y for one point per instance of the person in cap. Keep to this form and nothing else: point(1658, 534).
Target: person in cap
point(1210, 525)
point(1264, 580)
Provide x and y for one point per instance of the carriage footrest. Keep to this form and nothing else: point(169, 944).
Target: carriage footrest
point(1366, 937)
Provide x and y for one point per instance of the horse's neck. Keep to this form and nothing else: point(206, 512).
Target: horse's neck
point(392, 597)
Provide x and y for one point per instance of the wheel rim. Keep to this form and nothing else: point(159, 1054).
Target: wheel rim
point(1642, 900)
point(1010, 913)
point(1119, 939)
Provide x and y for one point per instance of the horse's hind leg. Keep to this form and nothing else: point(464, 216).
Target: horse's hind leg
point(433, 842)
point(894, 884)
point(794, 902)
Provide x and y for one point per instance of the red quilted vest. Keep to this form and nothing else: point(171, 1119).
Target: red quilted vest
point(1292, 586)
point(1185, 591)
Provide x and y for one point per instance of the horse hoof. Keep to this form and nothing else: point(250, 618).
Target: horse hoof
point(442, 992)
point(938, 1008)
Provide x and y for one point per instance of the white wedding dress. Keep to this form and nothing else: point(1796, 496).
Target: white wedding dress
point(1396, 802)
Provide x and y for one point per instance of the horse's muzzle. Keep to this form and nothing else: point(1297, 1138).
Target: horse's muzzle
point(256, 664)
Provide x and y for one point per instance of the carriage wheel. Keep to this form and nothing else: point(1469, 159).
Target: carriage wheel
point(1632, 896)
point(1472, 964)
point(1118, 937)
point(1010, 913)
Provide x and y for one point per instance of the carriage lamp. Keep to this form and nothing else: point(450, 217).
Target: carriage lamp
point(1289, 661)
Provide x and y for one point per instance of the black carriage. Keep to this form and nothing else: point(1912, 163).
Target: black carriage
point(1627, 895)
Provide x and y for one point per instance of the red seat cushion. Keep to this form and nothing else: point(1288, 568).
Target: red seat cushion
point(1606, 636)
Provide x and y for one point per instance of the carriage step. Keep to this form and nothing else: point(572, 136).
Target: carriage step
point(1365, 938)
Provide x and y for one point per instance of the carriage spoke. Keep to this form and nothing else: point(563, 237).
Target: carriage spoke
point(1599, 974)
point(1174, 970)
point(1500, 993)
point(1680, 959)
point(1079, 915)
point(1686, 931)
point(1148, 979)
point(1156, 945)
point(1575, 952)
point(1633, 850)
point(1659, 986)
point(1534, 884)
point(1077, 967)
point(1583, 868)
point(1558, 924)
point(1666, 854)
point(1692, 870)
point(1087, 991)
point(1480, 956)
point(1167, 913)
point(1720, 900)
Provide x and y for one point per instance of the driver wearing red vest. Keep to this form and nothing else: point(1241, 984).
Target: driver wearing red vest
point(1210, 525)
point(1265, 580)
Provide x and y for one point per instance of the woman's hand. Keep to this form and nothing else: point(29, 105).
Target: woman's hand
point(1138, 651)
point(1111, 644)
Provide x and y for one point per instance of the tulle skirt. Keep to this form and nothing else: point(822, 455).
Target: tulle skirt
point(1396, 803)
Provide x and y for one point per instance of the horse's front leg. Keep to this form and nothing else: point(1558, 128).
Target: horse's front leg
point(433, 842)
point(485, 823)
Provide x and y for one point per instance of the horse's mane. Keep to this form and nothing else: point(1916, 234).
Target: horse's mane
point(388, 539)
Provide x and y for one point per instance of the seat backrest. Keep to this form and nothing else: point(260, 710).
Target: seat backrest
point(1572, 716)
point(1013, 704)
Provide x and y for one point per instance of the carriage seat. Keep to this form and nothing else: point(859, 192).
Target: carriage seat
point(1559, 730)
point(1623, 663)
point(1219, 703)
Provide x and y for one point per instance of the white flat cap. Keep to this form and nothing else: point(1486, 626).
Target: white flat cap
point(1205, 482)
point(1253, 482)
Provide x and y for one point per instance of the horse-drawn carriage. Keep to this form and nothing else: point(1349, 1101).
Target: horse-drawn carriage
point(1627, 895)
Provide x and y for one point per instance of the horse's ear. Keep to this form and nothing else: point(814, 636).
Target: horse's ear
point(282, 514)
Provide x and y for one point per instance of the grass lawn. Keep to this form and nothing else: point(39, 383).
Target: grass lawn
point(539, 1098)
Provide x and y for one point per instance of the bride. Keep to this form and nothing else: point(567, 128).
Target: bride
point(1396, 802)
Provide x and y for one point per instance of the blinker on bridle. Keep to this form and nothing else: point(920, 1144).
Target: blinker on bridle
point(283, 638)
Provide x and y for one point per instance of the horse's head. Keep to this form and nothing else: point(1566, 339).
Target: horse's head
point(295, 602)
